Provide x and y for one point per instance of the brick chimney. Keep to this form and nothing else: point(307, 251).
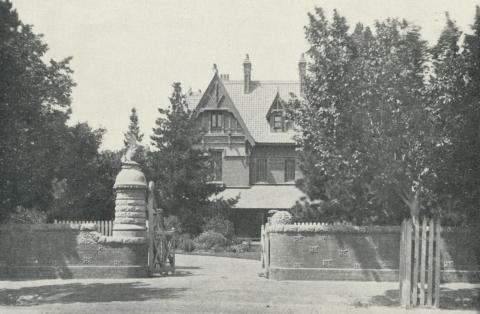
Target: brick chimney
point(247, 75)
point(302, 70)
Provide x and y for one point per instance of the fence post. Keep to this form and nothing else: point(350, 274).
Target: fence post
point(422, 263)
point(150, 235)
point(431, 234)
point(438, 246)
point(416, 263)
point(262, 242)
point(267, 252)
point(401, 264)
point(408, 264)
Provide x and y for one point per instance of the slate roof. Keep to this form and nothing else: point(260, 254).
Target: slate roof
point(264, 196)
point(253, 107)
point(193, 99)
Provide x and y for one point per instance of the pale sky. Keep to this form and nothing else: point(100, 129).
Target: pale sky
point(129, 52)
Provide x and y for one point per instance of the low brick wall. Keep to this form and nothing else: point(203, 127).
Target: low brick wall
point(68, 251)
point(326, 252)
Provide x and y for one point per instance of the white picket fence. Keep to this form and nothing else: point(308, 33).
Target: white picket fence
point(105, 227)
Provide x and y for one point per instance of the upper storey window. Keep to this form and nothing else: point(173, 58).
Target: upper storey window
point(216, 122)
point(234, 124)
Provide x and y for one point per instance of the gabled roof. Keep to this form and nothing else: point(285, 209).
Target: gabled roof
point(254, 106)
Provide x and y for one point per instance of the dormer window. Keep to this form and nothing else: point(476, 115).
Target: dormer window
point(278, 122)
point(276, 116)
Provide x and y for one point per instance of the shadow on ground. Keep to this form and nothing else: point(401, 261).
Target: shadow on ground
point(460, 299)
point(452, 299)
point(87, 293)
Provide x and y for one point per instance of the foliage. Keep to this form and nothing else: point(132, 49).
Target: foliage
point(185, 243)
point(385, 120)
point(180, 170)
point(26, 216)
point(455, 97)
point(242, 247)
point(35, 99)
point(172, 222)
point(85, 189)
point(210, 239)
point(220, 225)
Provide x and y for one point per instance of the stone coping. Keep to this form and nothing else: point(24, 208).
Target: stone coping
point(122, 240)
point(89, 227)
point(329, 228)
point(341, 228)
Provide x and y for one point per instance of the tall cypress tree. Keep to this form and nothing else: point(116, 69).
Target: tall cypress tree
point(180, 170)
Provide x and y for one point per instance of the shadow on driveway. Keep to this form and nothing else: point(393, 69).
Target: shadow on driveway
point(87, 293)
point(452, 299)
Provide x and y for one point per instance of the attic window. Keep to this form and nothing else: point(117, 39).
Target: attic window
point(276, 116)
point(278, 121)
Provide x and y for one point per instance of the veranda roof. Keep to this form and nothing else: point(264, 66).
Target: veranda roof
point(264, 196)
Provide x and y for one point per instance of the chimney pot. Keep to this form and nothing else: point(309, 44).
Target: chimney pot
point(247, 74)
point(302, 70)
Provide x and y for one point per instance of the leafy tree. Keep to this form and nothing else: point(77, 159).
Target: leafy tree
point(35, 99)
point(85, 177)
point(180, 170)
point(366, 135)
point(455, 84)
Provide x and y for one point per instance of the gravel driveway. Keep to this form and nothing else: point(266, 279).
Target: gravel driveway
point(205, 284)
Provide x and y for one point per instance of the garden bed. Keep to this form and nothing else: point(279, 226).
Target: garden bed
point(253, 255)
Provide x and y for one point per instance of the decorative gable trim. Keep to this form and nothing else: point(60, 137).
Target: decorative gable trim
point(214, 86)
point(277, 105)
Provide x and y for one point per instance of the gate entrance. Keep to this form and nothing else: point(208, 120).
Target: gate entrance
point(420, 254)
point(161, 243)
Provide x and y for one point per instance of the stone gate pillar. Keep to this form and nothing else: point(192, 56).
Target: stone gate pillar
point(130, 202)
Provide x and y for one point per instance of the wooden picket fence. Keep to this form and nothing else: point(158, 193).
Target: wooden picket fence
point(420, 254)
point(105, 227)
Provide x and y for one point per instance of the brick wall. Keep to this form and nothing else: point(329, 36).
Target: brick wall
point(276, 155)
point(316, 252)
point(67, 251)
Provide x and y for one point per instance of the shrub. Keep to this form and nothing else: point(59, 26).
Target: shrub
point(172, 222)
point(185, 243)
point(220, 225)
point(208, 239)
point(240, 248)
point(24, 215)
point(281, 217)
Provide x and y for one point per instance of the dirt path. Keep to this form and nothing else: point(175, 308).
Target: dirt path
point(206, 284)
